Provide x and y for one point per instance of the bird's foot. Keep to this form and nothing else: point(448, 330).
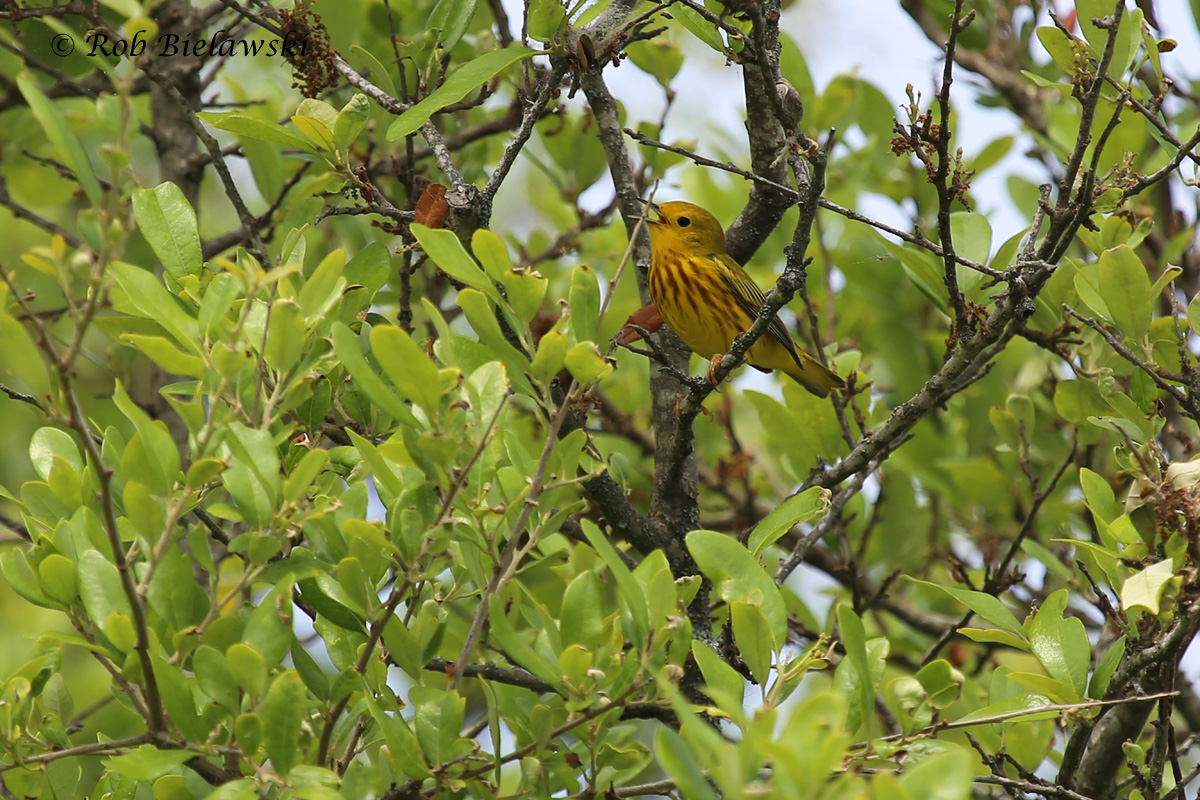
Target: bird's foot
point(680, 397)
point(713, 363)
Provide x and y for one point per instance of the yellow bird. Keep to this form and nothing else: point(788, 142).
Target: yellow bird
point(707, 299)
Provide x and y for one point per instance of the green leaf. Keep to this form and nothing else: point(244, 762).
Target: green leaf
point(254, 501)
point(377, 71)
point(146, 297)
point(806, 505)
point(20, 356)
point(382, 469)
point(985, 605)
point(62, 137)
point(324, 594)
point(452, 258)
point(754, 639)
point(1061, 645)
point(924, 270)
point(578, 621)
point(282, 715)
point(1101, 500)
point(1016, 702)
point(660, 57)
point(255, 448)
point(854, 639)
point(1077, 400)
point(995, 636)
point(481, 314)
point(300, 482)
point(546, 19)
point(941, 682)
point(466, 78)
point(1125, 286)
point(491, 252)
point(166, 355)
point(255, 128)
point(247, 668)
point(1047, 558)
point(168, 222)
point(584, 302)
point(680, 763)
point(179, 699)
point(450, 18)
point(1062, 48)
point(587, 364)
point(699, 27)
point(515, 645)
point(947, 776)
point(240, 789)
point(401, 741)
point(57, 576)
point(212, 673)
point(550, 355)
point(525, 289)
point(722, 682)
point(1144, 589)
point(737, 575)
point(318, 110)
point(989, 156)
point(23, 579)
point(972, 235)
point(323, 287)
point(438, 719)
point(215, 304)
point(46, 443)
point(147, 762)
point(311, 672)
point(269, 629)
point(155, 459)
point(408, 367)
point(1105, 667)
point(371, 384)
point(1053, 688)
point(173, 593)
point(370, 267)
point(1194, 313)
point(351, 120)
point(287, 336)
point(100, 587)
point(315, 130)
point(632, 597)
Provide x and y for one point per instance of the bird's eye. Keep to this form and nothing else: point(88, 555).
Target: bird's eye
point(684, 222)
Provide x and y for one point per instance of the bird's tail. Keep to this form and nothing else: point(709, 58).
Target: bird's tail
point(814, 376)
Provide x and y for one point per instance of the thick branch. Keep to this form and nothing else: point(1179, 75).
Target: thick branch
point(764, 134)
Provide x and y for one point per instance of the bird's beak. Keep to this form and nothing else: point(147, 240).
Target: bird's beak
point(655, 215)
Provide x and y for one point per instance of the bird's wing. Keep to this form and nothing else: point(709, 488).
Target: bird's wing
point(751, 299)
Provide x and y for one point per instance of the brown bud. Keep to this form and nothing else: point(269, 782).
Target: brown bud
point(790, 102)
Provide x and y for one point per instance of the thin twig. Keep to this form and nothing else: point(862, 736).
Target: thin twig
point(825, 203)
point(506, 566)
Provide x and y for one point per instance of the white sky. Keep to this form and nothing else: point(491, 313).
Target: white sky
point(877, 41)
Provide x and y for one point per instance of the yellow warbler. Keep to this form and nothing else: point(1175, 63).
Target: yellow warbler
point(707, 299)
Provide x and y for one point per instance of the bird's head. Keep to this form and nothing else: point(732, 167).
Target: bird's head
point(685, 226)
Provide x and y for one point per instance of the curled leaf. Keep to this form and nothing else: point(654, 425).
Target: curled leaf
point(432, 208)
point(647, 318)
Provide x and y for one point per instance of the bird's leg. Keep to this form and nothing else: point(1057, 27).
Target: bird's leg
point(713, 363)
point(679, 398)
